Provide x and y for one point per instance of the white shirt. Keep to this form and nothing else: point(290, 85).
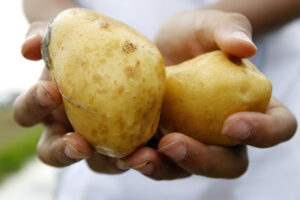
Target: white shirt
point(273, 174)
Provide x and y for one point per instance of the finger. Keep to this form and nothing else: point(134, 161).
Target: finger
point(206, 160)
point(276, 125)
point(231, 33)
point(33, 106)
point(153, 164)
point(104, 164)
point(233, 36)
point(59, 149)
point(31, 48)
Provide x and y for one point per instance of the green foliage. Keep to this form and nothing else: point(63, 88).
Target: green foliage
point(16, 152)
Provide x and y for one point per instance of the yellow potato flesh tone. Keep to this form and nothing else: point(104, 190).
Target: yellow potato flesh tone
point(203, 92)
point(111, 79)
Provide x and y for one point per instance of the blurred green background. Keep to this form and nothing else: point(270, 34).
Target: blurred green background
point(17, 144)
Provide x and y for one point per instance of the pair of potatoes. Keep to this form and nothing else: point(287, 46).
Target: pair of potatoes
point(116, 89)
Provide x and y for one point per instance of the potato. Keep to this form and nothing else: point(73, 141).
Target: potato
point(203, 92)
point(110, 76)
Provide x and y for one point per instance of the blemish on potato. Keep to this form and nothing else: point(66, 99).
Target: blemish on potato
point(103, 24)
point(108, 52)
point(96, 78)
point(125, 60)
point(121, 89)
point(128, 47)
point(92, 17)
point(73, 12)
point(101, 91)
point(131, 72)
point(91, 100)
point(137, 63)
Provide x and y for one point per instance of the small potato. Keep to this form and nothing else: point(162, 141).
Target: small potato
point(203, 92)
point(110, 76)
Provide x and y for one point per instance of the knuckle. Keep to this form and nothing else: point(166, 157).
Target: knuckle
point(103, 164)
point(18, 114)
point(240, 19)
point(55, 158)
point(37, 27)
point(243, 167)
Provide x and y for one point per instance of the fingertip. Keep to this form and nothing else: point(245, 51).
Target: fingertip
point(236, 129)
point(174, 145)
point(171, 138)
point(76, 147)
point(31, 48)
point(144, 160)
point(35, 104)
point(47, 93)
point(237, 44)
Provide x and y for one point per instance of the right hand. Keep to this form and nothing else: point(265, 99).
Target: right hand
point(59, 145)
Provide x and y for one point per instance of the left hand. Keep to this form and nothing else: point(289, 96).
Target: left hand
point(183, 37)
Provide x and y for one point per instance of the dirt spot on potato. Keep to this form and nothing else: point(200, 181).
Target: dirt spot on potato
point(128, 47)
point(103, 24)
point(133, 71)
point(130, 72)
point(73, 12)
point(100, 91)
point(96, 78)
point(121, 89)
point(91, 100)
point(108, 52)
point(102, 61)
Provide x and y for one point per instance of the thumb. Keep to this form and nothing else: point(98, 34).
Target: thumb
point(31, 47)
point(233, 36)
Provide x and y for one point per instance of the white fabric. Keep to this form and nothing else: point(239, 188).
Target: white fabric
point(144, 15)
point(273, 174)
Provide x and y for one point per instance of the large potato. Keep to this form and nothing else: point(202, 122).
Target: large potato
point(110, 76)
point(203, 92)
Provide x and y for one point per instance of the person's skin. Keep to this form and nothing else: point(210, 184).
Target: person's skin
point(176, 155)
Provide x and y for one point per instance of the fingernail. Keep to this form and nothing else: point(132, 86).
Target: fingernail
point(145, 168)
point(243, 36)
point(73, 153)
point(29, 37)
point(43, 96)
point(176, 150)
point(122, 165)
point(35, 33)
point(238, 130)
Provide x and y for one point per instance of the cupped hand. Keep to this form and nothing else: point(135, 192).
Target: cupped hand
point(59, 145)
point(191, 33)
point(185, 36)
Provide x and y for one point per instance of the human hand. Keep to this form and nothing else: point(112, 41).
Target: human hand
point(42, 103)
point(191, 33)
point(179, 155)
point(181, 38)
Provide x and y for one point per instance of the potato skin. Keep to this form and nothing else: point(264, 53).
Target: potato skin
point(203, 92)
point(111, 79)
